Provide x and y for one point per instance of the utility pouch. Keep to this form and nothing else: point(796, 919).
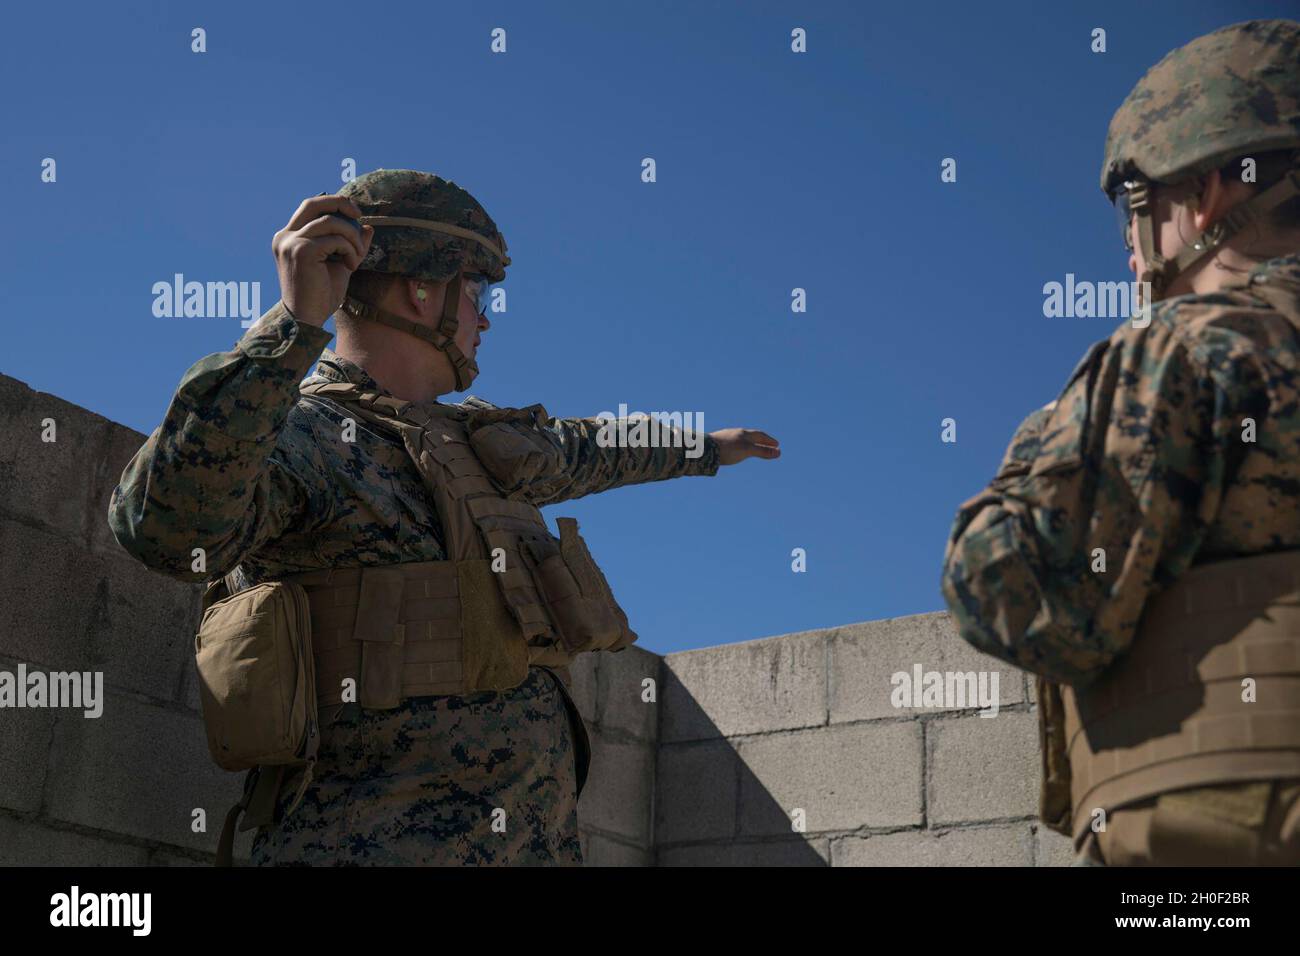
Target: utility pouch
point(377, 627)
point(257, 678)
point(578, 597)
point(512, 448)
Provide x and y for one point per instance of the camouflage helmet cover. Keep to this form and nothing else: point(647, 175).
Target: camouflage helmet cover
point(1223, 95)
point(471, 242)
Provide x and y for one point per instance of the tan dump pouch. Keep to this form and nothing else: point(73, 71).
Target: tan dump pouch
point(256, 679)
point(257, 687)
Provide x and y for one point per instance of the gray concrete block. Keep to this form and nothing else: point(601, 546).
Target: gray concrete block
point(190, 687)
point(63, 608)
point(24, 747)
point(602, 851)
point(983, 768)
point(841, 777)
point(140, 770)
point(774, 684)
point(695, 796)
point(44, 483)
point(619, 692)
point(793, 852)
point(970, 846)
point(29, 843)
point(1052, 849)
point(616, 798)
point(168, 858)
point(582, 685)
point(865, 657)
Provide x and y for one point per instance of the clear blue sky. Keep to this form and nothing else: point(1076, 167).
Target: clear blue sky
point(775, 171)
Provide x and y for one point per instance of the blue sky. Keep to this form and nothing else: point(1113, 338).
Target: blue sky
point(775, 171)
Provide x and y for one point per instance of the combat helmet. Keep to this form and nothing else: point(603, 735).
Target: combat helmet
point(1222, 96)
point(426, 227)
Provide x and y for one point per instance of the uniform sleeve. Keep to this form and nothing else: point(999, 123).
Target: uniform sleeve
point(1101, 500)
point(593, 464)
point(214, 474)
point(1023, 449)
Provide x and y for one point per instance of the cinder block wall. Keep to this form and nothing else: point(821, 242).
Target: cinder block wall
point(121, 788)
point(753, 733)
point(698, 758)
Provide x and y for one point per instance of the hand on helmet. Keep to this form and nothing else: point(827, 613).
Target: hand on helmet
point(316, 254)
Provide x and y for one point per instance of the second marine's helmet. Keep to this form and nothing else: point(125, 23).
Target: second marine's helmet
point(1226, 95)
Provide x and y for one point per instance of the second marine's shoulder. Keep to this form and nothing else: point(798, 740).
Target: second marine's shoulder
point(1213, 329)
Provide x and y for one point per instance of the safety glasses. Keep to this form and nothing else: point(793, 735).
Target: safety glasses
point(479, 290)
point(1124, 212)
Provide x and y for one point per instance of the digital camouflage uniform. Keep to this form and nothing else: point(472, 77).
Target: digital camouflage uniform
point(258, 476)
point(1142, 456)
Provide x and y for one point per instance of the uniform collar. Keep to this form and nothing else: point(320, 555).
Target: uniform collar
point(334, 368)
point(1283, 268)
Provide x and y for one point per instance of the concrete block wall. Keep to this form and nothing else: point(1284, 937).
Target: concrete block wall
point(757, 736)
point(121, 788)
point(699, 758)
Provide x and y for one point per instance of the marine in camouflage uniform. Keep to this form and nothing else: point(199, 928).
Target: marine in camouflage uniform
point(258, 476)
point(1143, 459)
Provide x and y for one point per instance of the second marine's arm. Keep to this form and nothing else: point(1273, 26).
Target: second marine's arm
point(1103, 498)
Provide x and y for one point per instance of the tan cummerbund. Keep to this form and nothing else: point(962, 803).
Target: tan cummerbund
point(429, 618)
point(417, 630)
point(1173, 712)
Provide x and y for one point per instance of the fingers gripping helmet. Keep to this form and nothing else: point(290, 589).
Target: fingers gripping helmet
point(1222, 96)
point(426, 227)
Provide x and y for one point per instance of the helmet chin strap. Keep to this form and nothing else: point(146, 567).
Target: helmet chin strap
point(441, 337)
point(1161, 272)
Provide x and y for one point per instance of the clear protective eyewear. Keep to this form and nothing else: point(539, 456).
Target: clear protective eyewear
point(479, 290)
point(1124, 212)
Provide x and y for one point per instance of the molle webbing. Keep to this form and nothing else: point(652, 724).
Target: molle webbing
point(508, 596)
point(476, 519)
point(416, 606)
point(1170, 713)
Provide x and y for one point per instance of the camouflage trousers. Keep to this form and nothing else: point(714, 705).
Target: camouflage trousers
point(1243, 824)
point(484, 779)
